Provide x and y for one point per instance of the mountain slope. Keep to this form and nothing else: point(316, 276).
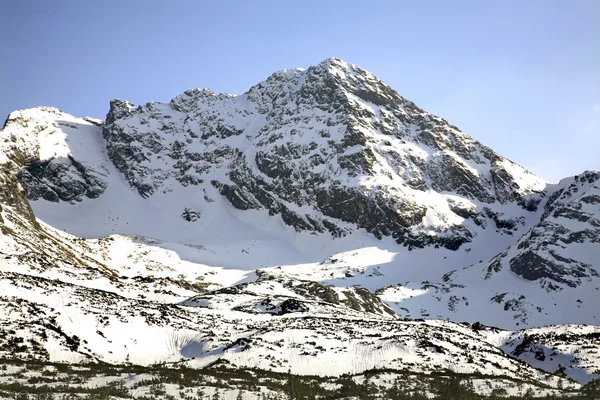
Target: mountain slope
point(563, 246)
point(318, 200)
point(550, 273)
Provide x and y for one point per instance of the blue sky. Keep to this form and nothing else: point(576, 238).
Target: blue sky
point(523, 77)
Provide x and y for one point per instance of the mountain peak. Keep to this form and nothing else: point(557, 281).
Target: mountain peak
point(335, 63)
point(332, 72)
point(345, 71)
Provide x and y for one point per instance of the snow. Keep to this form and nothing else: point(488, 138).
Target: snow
point(211, 249)
point(161, 260)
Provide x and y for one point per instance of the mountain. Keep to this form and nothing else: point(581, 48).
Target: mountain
point(301, 226)
point(318, 146)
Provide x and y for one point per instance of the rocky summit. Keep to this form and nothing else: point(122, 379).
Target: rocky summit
point(317, 225)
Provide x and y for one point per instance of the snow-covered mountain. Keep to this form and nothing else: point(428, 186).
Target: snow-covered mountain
point(218, 226)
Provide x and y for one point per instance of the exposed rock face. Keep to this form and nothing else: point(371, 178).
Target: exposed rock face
point(564, 246)
point(40, 155)
point(556, 262)
point(13, 195)
point(314, 146)
point(190, 215)
point(60, 179)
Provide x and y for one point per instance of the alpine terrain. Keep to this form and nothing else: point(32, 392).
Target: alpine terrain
point(318, 236)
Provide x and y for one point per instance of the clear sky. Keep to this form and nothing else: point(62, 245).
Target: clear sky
point(523, 77)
